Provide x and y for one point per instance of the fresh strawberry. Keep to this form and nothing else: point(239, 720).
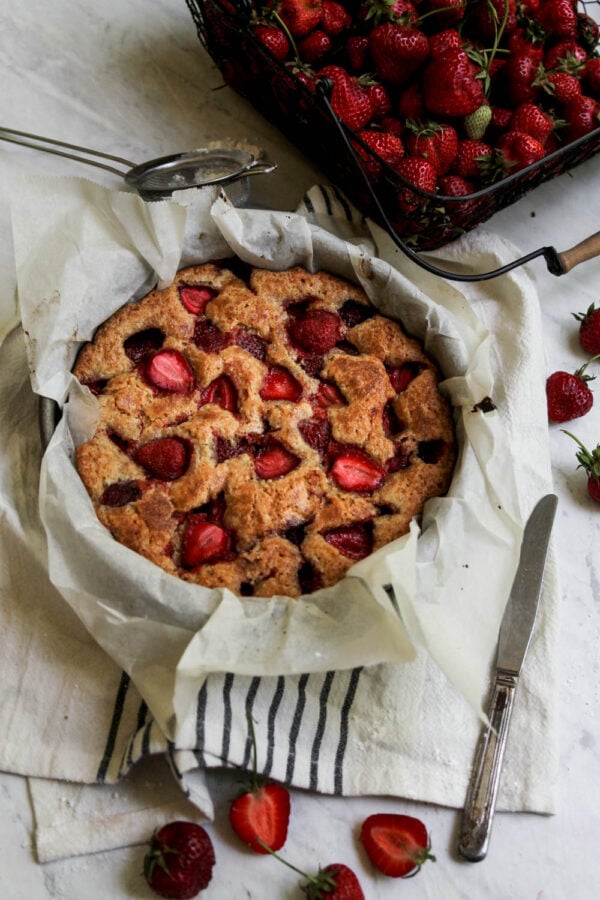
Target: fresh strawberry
point(354, 541)
point(521, 73)
point(582, 115)
point(388, 147)
point(588, 32)
point(315, 331)
point(421, 173)
point(447, 39)
point(448, 13)
point(274, 39)
point(591, 75)
point(170, 371)
point(590, 461)
point(380, 100)
point(280, 384)
point(261, 813)
point(315, 46)
point(562, 86)
point(565, 56)
point(451, 86)
point(392, 125)
point(357, 52)
point(164, 458)
point(349, 100)
point(472, 158)
point(436, 143)
point(397, 845)
point(568, 395)
point(493, 18)
point(222, 392)
point(589, 330)
point(454, 186)
point(354, 470)
point(410, 102)
point(203, 541)
point(273, 460)
point(397, 51)
point(518, 150)
point(531, 119)
point(558, 18)
point(335, 882)
point(476, 123)
point(300, 16)
point(196, 296)
point(180, 860)
point(335, 18)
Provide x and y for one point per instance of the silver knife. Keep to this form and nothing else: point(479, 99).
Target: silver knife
point(515, 635)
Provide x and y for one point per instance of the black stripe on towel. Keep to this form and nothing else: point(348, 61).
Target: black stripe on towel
point(338, 785)
point(326, 200)
point(114, 727)
point(308, 204)
point(227, 688)
point(314, 756)
point(275, 702)
point(200, 734)
point(296, 721)
point(343, 203)
point(250, 698)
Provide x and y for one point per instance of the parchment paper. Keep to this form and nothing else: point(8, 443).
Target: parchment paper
point(81, 252)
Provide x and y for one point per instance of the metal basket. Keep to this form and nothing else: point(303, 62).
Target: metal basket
point(281, 98)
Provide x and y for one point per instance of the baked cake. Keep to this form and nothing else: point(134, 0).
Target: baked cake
point(261, 431)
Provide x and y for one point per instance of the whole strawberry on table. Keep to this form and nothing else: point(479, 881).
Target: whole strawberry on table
point(449, 95)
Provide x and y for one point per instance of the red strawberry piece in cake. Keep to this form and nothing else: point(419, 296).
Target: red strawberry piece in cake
point(170, 371)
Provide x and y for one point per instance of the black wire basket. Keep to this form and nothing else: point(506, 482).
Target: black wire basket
point(254, 73)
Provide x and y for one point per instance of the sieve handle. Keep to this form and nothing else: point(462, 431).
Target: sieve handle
point(50, 145)
point(586, 249)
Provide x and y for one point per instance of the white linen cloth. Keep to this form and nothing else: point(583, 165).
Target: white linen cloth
point(70, 713)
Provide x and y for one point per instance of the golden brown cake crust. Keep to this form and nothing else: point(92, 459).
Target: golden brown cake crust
point(261, 433)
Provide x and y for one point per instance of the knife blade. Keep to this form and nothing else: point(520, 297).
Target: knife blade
point(514, 638)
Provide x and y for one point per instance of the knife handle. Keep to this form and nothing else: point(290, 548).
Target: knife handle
point(485, 778)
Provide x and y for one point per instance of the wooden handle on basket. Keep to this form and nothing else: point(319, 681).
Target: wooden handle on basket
point(586, 249)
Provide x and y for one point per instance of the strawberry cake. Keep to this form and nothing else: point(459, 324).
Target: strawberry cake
point(261, 431)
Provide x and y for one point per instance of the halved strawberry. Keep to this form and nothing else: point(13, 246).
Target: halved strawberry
point(328, 395)
point(195, 297)
point(251, 342)
point(274, 460)
point(120, 493)
point(140, 344)
point(354, 541)
point(170, 371)
point(280, 384)
point(315, 331)
point(165, 458)
point(208, 337)
point(222, 392)
point(397, 845)
point(401, 376)
point(261, 814)
point(203, 542)
point(354, 470)
point(316, 432)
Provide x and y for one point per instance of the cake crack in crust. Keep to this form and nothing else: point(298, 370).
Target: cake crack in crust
point(261, 433)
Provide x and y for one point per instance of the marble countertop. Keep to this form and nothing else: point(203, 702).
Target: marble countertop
point(132, 79)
